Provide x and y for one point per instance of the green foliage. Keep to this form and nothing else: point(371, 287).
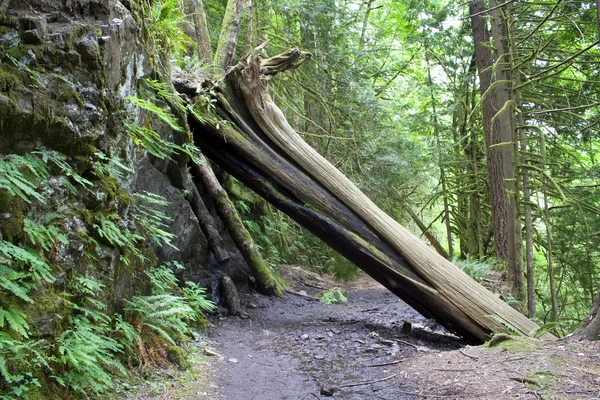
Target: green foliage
point(164, 318)
point(87, 356)
point(333, 296)
point(151, 219)
point(166, 20)
point(474, 268)
point(28, 355)
point(19, 175)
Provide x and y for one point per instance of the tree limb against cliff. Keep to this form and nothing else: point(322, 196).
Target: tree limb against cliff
point(261, 149)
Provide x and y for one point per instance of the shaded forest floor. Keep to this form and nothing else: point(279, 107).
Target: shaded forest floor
point(299, 348)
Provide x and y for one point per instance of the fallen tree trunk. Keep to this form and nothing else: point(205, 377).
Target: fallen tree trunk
point(260, 270)
point(265, 153)
point(207, 224)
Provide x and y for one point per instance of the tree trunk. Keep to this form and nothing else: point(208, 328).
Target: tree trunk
point(483, 57)
point(262, 150)
point(436, 131)
point(240, 235)
point(197, 29)
point(228, 39)
point(207, 224)
point(500, 141)
point(553, 294)
point(503, 118)
point(250, 28)
point(434, 242)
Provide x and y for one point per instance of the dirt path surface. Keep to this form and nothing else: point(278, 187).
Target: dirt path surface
point(372, 347)
point(298, 348)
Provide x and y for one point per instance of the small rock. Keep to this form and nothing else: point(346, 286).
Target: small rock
point(304, 337)
point(328, 392)
point(330, 334)
point(233, 360)
point(319, 356)
point(210, 352)
point(336, 331)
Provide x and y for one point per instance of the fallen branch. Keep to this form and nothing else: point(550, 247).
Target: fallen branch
point(384, 364)
point(330, 391)
point(525, 380)
point(407, 343)
point(468, 355)
point(306, 296)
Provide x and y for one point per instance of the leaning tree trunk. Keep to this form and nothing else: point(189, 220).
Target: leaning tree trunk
point(261, 149)
point(237, 230)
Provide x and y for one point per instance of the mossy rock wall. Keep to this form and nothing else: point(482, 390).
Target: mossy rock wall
point(66, 70)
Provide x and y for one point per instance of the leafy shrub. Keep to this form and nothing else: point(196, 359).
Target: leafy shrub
point(333, 296)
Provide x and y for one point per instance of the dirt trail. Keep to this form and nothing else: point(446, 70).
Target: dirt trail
point(297, 348)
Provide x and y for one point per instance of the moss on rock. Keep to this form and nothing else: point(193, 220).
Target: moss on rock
point(179, 357)
point(11, 223)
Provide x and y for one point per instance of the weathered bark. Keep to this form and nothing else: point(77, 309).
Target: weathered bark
point(483, 58)
point(264, 152)
point(207, 224)
point(240, 235)
point(500, 141)
point(230, 29)
point(230, 295)
point(503, 119)
point(432, 239)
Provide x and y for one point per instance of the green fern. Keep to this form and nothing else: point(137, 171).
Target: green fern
point(109, 166)
point(31, 262)
point(147, 214)
point(88, 356)
point(19, 176)
point(60, 161)
point(149, 140)
point(15, 319)
point(46, 236)
point(162, 113)
point(196, 297)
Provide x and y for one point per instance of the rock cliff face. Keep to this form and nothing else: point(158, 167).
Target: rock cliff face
point(70, 74)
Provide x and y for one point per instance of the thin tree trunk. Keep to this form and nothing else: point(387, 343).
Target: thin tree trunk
point(436, 130)
point(230, 29)
point(365, 24)
point(250, 27)
point(553, 297)
point(531, 303)
point(240, 235)
point(207, 223)
point(434, 242)
point(197, 28)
